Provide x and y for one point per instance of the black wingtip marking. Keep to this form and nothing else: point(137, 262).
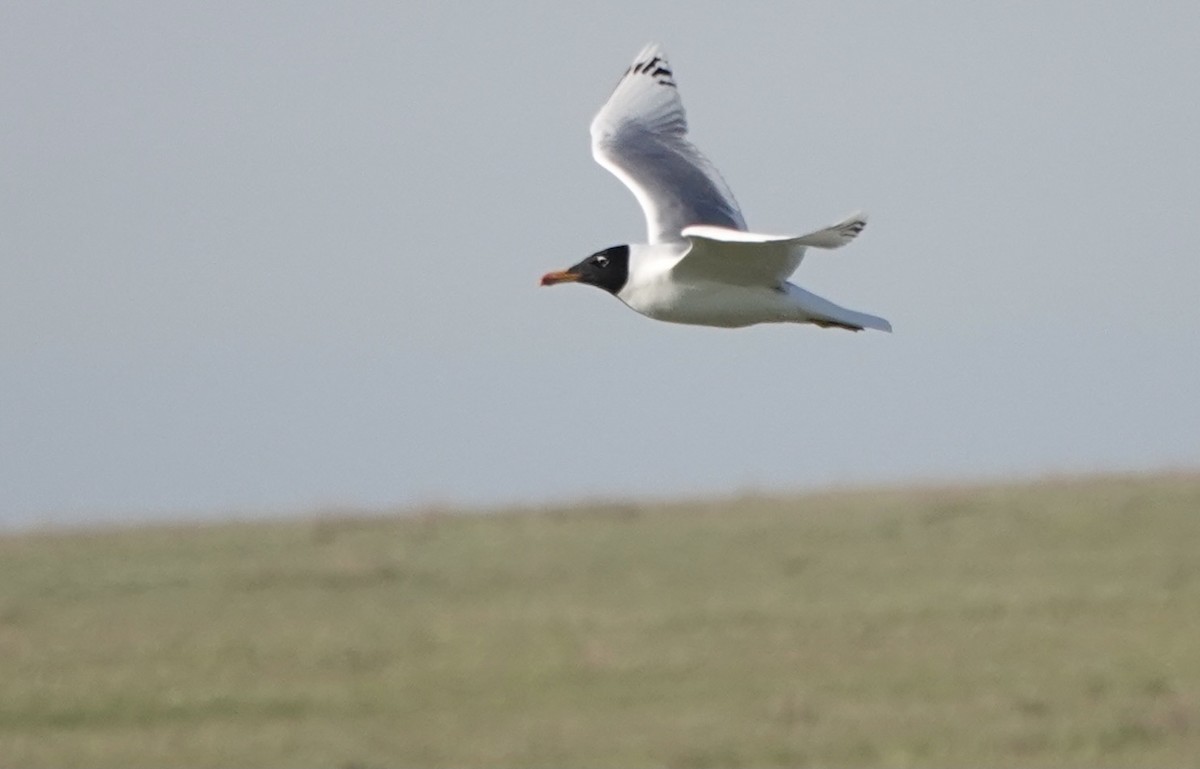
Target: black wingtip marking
point(644, 66)
point(656, 67)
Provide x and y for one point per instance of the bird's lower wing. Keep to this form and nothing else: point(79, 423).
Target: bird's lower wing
point(738, 257)
point(753, 258)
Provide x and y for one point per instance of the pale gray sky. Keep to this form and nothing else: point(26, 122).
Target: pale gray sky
point(276, 256)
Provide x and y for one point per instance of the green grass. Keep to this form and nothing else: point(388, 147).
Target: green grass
point(1053, 624)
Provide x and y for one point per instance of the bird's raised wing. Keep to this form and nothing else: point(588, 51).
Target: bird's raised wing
point(641, 136)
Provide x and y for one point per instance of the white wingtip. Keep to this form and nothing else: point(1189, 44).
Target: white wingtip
point(863, 320)
point(836, 235)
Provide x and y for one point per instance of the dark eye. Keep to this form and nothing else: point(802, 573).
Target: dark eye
point(600, 261)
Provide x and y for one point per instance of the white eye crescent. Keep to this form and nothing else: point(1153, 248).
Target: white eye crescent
point(600, 261)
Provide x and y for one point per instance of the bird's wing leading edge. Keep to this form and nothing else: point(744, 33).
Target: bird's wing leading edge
point(640, 135)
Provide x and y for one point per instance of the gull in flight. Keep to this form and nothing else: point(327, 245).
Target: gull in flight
point(701, 266)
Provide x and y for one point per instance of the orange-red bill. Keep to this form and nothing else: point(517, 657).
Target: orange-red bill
point(550, 278)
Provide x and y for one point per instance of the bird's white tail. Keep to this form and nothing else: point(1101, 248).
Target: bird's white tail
point(823, 312)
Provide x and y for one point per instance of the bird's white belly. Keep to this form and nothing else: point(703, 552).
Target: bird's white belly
point(711, 304)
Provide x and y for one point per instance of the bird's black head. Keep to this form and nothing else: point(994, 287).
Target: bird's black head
point(607, 269)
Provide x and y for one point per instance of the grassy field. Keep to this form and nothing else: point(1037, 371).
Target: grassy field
point(1052, 624)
